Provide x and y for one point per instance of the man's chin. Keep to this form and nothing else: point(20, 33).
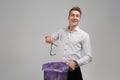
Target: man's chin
point(74, 25)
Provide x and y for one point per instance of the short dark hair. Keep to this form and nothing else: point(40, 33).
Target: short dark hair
point(76, 8)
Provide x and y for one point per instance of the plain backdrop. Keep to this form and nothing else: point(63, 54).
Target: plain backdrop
point(25, 23)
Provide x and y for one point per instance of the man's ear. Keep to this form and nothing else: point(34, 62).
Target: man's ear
point(80, 18)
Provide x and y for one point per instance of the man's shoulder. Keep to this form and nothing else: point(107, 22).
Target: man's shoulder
point(83, 32)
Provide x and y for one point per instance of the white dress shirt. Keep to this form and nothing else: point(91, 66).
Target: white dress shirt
point(75, 43)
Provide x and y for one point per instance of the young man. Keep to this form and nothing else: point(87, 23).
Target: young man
point(75, 41)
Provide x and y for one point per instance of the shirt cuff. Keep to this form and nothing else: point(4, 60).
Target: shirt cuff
point(76, 63)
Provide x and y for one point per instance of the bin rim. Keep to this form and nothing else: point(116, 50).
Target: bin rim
point(46, 65)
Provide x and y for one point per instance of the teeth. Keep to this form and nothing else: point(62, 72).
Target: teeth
point(74, 21)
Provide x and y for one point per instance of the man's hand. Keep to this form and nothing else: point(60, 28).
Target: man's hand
point(72, 65)
point(49, 39)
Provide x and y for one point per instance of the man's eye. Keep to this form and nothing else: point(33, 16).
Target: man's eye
point(77, 15)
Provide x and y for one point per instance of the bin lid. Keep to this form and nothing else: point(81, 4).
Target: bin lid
point(55, 67)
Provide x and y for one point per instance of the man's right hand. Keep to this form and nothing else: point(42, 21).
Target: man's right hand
point(49, 39)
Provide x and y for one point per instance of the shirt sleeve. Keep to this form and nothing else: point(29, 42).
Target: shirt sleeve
point(86, 46)
point(56, 35)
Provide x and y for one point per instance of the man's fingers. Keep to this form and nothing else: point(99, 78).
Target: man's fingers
point(71, 65)
point(49, 39)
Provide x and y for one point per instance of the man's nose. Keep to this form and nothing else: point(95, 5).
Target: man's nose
point(75, 16)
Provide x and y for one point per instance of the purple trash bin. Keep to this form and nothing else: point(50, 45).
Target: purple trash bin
point(55, 71)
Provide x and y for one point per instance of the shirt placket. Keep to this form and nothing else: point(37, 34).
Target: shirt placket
point(66, 48)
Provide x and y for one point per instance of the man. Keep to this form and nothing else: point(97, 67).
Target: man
point(75, 41)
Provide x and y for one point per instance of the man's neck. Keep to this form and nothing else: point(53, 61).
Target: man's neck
point(71, 28)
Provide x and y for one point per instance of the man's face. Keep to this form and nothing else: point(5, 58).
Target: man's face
point(74, 18)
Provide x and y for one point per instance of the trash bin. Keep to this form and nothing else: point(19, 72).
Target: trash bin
point(55, 71)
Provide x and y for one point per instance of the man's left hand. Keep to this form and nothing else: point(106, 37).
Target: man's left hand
point(72, 65)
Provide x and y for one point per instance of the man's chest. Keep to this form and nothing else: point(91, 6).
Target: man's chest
point(71, 37)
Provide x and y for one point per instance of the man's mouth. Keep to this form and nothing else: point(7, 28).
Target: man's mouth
point(74, 21)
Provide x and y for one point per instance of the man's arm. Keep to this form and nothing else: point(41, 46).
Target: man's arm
point(87, 51)
point(53, 37)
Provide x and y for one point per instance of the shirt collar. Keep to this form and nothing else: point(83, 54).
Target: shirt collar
point(76, 29)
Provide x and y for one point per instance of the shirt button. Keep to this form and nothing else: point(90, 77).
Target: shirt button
point(65, 49)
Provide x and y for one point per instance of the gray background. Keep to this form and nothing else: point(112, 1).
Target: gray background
point(24, 23)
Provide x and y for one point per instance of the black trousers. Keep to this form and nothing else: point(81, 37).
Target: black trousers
point(75, 75)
